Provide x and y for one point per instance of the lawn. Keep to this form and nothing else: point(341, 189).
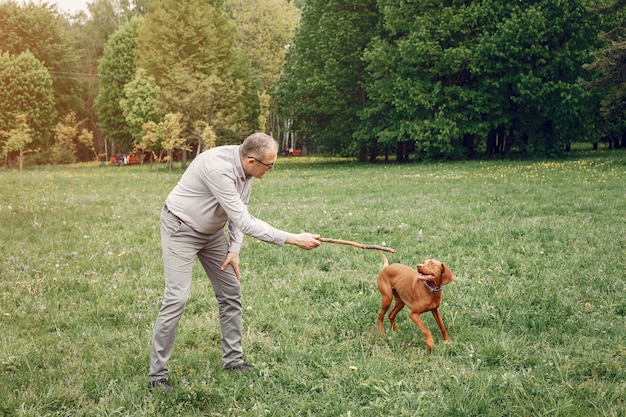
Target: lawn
point(537, 310)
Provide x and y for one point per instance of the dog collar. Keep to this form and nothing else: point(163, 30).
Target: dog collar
point(433, 289)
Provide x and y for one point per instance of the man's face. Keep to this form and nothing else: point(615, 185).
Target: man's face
point(257, 167)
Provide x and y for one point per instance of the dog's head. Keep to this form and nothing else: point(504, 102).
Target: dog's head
point(435, 271)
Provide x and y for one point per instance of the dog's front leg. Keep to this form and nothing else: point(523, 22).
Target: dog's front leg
point(430, 342)
point(444, 333)
point(386, 303)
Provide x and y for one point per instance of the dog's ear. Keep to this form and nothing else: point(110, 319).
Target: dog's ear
point(446, 276)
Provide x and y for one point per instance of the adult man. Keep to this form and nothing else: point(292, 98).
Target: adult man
point(213, 191)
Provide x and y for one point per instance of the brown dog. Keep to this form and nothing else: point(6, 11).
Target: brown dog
point(419, 289)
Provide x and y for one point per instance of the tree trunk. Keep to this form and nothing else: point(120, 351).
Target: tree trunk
point(400, 152)
point(373, 153)
point(362, 153)
point(491, 143)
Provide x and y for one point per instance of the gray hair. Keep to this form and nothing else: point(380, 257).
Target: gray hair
point(258, 145)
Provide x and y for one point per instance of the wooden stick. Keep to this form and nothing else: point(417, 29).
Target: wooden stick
point(356, 245)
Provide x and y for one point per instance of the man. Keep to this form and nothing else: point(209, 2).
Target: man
point(212, 192)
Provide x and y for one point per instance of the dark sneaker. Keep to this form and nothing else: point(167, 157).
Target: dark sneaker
point(162, 384)
point(241, 367)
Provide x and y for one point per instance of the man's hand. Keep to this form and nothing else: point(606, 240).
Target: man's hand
point(305, 241)
point(232, 259)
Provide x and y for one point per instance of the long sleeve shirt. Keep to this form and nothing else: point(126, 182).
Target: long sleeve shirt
point(213, 191)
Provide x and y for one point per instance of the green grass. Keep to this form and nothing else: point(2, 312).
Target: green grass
point(537, 310)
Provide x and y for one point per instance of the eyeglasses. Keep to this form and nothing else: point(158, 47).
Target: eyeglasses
point(268, 166)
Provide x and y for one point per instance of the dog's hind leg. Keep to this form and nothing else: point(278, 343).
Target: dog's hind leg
point(396, 309)
point(386, 294)
point(381, 315)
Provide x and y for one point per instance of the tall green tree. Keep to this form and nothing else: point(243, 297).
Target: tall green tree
point(91, 31)
point(141, 103)
point(116, 69)
point(418, 76)
point(460, 75)
point(531, 56)
point(608, 83)
point(27, 89)
point(322, 87)
point(265, 29)
point(190, 48)
point(46, 34)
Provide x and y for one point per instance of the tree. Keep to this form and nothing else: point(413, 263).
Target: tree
point(69, 137)
point(265, 29)
point(27, 89)
point(116, 69)
point(190, 49)
point(420, 76)
point(503, 73)
point(608, 80)
point(531, 58)
point(149, 140)
point(321, 89)
point(169, 131)
point(90, 33)
point(208, 137)
point(141, 103)
point(18, 139)
point(42, 31)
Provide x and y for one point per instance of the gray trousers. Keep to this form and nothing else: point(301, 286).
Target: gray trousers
point(181, 245)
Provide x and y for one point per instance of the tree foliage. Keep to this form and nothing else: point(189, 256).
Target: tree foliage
point(453, 77)
point(26, 89)
point(41, 30)
point(322, 88)
point(169, 131)
point(535, 58)
point(609, 76)
point(450, 78)
point(70, 139)
point(265, 29)
point(141, 103)
point(190, 49)
point(116, 69)
point(17, 139)
point(149, 140)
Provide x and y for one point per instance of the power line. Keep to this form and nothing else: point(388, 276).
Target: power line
point(61, 74)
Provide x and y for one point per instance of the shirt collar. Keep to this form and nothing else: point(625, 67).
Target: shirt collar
point(238, 166)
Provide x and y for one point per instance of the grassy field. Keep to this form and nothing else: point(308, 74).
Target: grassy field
point(537, 310)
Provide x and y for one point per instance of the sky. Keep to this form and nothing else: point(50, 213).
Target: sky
point(70, 5)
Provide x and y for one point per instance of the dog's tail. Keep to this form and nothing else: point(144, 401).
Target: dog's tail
point(382, 255)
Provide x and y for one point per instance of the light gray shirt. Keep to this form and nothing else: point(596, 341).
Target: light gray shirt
point(213, 191)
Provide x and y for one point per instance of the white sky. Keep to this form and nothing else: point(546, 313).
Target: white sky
point(70, 5)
